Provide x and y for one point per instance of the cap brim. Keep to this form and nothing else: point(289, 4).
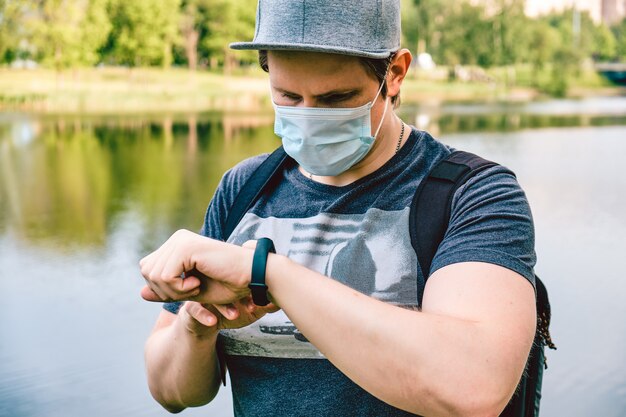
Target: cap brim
point(310, 48)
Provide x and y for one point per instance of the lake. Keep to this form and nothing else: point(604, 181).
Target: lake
point(82, 199)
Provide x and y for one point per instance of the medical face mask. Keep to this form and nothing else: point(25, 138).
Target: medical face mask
point(327, 141)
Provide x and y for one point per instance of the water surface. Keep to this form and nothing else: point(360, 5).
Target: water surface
point(82, 199)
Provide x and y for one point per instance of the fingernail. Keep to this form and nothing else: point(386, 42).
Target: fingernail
point(231, 311)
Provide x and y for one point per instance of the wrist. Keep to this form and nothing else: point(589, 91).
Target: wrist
point(245, 262)
point(276, 265)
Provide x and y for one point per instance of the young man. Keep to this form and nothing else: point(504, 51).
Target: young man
point(344, 273)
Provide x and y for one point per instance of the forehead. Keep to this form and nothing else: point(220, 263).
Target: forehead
point(299, 69)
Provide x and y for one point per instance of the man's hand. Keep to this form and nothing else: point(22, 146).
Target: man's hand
point(214, 272)
point(204, 319)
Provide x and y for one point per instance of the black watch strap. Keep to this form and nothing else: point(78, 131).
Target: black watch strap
point(257, 283)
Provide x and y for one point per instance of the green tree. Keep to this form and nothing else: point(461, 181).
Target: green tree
point(619, 32)
point(510, 31)
point(144, 31)
point(228, 21)
point(430, 16)
point(10, 22)
point(605, 45)
point(587, 39)
point(190, 28)
point(544, 42)
point(410, 25)
point(465, 37)
point(68, 33)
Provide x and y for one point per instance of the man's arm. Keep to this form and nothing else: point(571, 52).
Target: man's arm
point(181, 363)
point(181, 359)
point(463, 354)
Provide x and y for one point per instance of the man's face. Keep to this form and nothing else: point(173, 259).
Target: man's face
point(311, 79)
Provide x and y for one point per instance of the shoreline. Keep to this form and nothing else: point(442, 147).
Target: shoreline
point(103, 91)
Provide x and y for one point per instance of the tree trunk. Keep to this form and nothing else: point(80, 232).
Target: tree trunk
point(191, 48)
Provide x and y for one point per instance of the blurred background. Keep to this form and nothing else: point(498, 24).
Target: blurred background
point(118, 119)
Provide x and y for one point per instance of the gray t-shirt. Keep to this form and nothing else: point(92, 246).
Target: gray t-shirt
point(359, 235)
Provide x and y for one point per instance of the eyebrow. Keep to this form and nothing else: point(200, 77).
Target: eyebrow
point(326, 95)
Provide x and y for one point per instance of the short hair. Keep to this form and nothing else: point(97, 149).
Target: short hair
point(375, 66)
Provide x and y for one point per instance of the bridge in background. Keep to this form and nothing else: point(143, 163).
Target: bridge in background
point(615, 72)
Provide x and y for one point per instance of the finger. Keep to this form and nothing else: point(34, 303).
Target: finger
point(250, 244)
point(229, 311)
point(200, 314)
point(270, 308)
point(149, 295)
point(189, 283)
point(156, 275)
point(173, 268)
point(248, 304)
point(146, 264)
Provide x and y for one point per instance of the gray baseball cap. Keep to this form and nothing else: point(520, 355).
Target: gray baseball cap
point(366, 28)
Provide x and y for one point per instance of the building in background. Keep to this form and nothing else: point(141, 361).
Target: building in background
point(607, 11)
point(613, 11)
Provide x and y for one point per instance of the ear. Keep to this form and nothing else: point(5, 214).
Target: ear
point(398, 68)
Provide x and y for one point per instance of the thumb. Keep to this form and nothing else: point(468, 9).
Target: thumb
point(199, 313)
point(149, 295)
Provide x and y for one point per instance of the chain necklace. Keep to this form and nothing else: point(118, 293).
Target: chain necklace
point(400, 138)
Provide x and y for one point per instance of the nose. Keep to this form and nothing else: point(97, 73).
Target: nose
point(308, 102)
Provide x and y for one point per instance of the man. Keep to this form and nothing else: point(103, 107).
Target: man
point(344, 277)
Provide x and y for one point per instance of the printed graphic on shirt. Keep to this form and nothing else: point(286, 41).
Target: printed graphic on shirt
point(369, 252)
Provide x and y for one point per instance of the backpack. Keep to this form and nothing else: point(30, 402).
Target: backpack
point(429, 215)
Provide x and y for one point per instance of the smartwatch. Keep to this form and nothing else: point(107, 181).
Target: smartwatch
point(259, 262)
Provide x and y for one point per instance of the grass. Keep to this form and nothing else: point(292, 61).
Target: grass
point(142, 90)
point(121, 90)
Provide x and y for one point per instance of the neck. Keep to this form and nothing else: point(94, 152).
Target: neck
point(383, 150)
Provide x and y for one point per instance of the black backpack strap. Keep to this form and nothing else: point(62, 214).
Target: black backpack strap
point(428, 222)
point(257, 184)
point(430, 209)
point(260, 181)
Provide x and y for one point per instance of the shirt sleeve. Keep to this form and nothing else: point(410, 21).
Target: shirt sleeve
point(490, 222)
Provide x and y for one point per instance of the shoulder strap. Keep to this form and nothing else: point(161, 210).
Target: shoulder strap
point(256, 185)
point(253, 188)
point(428, 222)
point(431, 205)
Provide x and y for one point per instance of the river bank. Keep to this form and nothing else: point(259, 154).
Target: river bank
point(147, 90)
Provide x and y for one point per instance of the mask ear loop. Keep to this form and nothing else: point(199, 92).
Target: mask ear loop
point(382, 119)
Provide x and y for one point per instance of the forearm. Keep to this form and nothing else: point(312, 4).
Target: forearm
point(424, 363)
point(182, 368)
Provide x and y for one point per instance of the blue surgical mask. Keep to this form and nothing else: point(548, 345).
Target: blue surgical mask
point(327, 141)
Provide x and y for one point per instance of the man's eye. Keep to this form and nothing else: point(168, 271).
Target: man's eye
point(290, 97)
point(338, 98)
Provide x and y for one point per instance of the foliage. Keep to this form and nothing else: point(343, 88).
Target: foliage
point(67, 33)
point(422, 20)
point(144, 32)
point(10, 17)
point(464, 37)
point(619, 32)
point(196, 33)
point(228, 21)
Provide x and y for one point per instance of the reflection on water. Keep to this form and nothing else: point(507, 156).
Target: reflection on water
point(508, 117)
point(67, 181)
point(83, 198)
